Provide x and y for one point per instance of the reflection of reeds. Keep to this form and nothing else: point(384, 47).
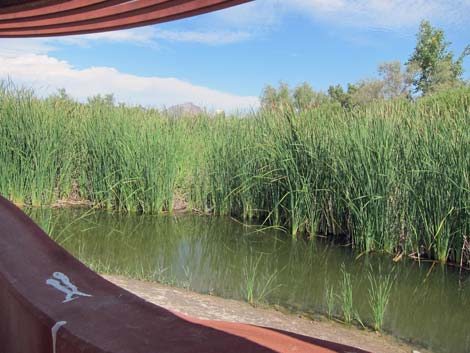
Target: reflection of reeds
point(208, 254)
point(391, 176)
point(61, 229)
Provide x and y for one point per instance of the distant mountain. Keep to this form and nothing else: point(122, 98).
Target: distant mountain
point(185, 109)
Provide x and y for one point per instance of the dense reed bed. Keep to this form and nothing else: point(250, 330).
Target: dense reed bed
point(391, 176)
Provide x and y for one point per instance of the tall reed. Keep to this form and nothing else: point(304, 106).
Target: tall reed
point(346, 296)
point(256, 286)
point(330, 299)
point(380, 287)
point(391, 176)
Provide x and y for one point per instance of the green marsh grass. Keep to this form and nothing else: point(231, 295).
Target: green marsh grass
point(256, 286)
point(346, 296)
point(391, 177)
point(380, 287)
point(330, 299)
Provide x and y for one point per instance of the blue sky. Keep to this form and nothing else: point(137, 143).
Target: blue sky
point(223, 60)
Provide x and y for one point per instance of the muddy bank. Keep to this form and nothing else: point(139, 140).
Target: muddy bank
point(215, 308)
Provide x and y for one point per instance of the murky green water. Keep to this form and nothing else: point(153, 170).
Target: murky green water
point(219, 256)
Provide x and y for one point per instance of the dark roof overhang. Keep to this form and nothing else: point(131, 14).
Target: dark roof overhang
point(44, 18)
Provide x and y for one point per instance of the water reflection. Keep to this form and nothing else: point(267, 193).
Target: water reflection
point(222, 257)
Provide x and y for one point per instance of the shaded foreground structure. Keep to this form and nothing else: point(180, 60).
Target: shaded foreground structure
point(42, 18)
point(51, 302)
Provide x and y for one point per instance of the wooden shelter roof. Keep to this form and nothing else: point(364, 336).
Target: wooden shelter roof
point(44, 18)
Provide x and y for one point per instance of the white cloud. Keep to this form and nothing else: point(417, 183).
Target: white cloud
point(28, 62)
point(391, 14)
point(15, 47)
point(255, 19)
point(257, 15)
point(386, 14)
point(145, 36)
point(211, 38)
point(137, 36)
point(149, 37)
point(46, 74)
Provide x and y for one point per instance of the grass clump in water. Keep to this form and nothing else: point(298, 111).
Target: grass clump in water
point(257, 287)
point(346, 296)
point(330, 299)
point(380, 287)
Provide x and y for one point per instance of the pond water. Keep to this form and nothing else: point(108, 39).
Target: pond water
point(429, 305)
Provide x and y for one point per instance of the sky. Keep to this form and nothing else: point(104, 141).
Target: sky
point(224, 59)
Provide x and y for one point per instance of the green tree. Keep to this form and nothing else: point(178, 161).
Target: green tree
point(284, 95)
point(366, 91)
point(396, 81)
point(272, 98)
point(304, 97)
point(434, 63)
point(337, 94)
point(107, 99)
point(61, 96)
point(269, 97)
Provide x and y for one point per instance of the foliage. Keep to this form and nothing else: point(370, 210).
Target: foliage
point(279, 98)
point(337, 94)
point(346, 295)
point(330, 299)
point(396, 82)
point(257, 287)
point(388, 176)
point(380, 287)
point(367, 91)
point(431, 68)
point(302, 97)
point(435, 64)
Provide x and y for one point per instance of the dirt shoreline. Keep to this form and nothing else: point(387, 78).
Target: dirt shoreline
point(216, 308)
